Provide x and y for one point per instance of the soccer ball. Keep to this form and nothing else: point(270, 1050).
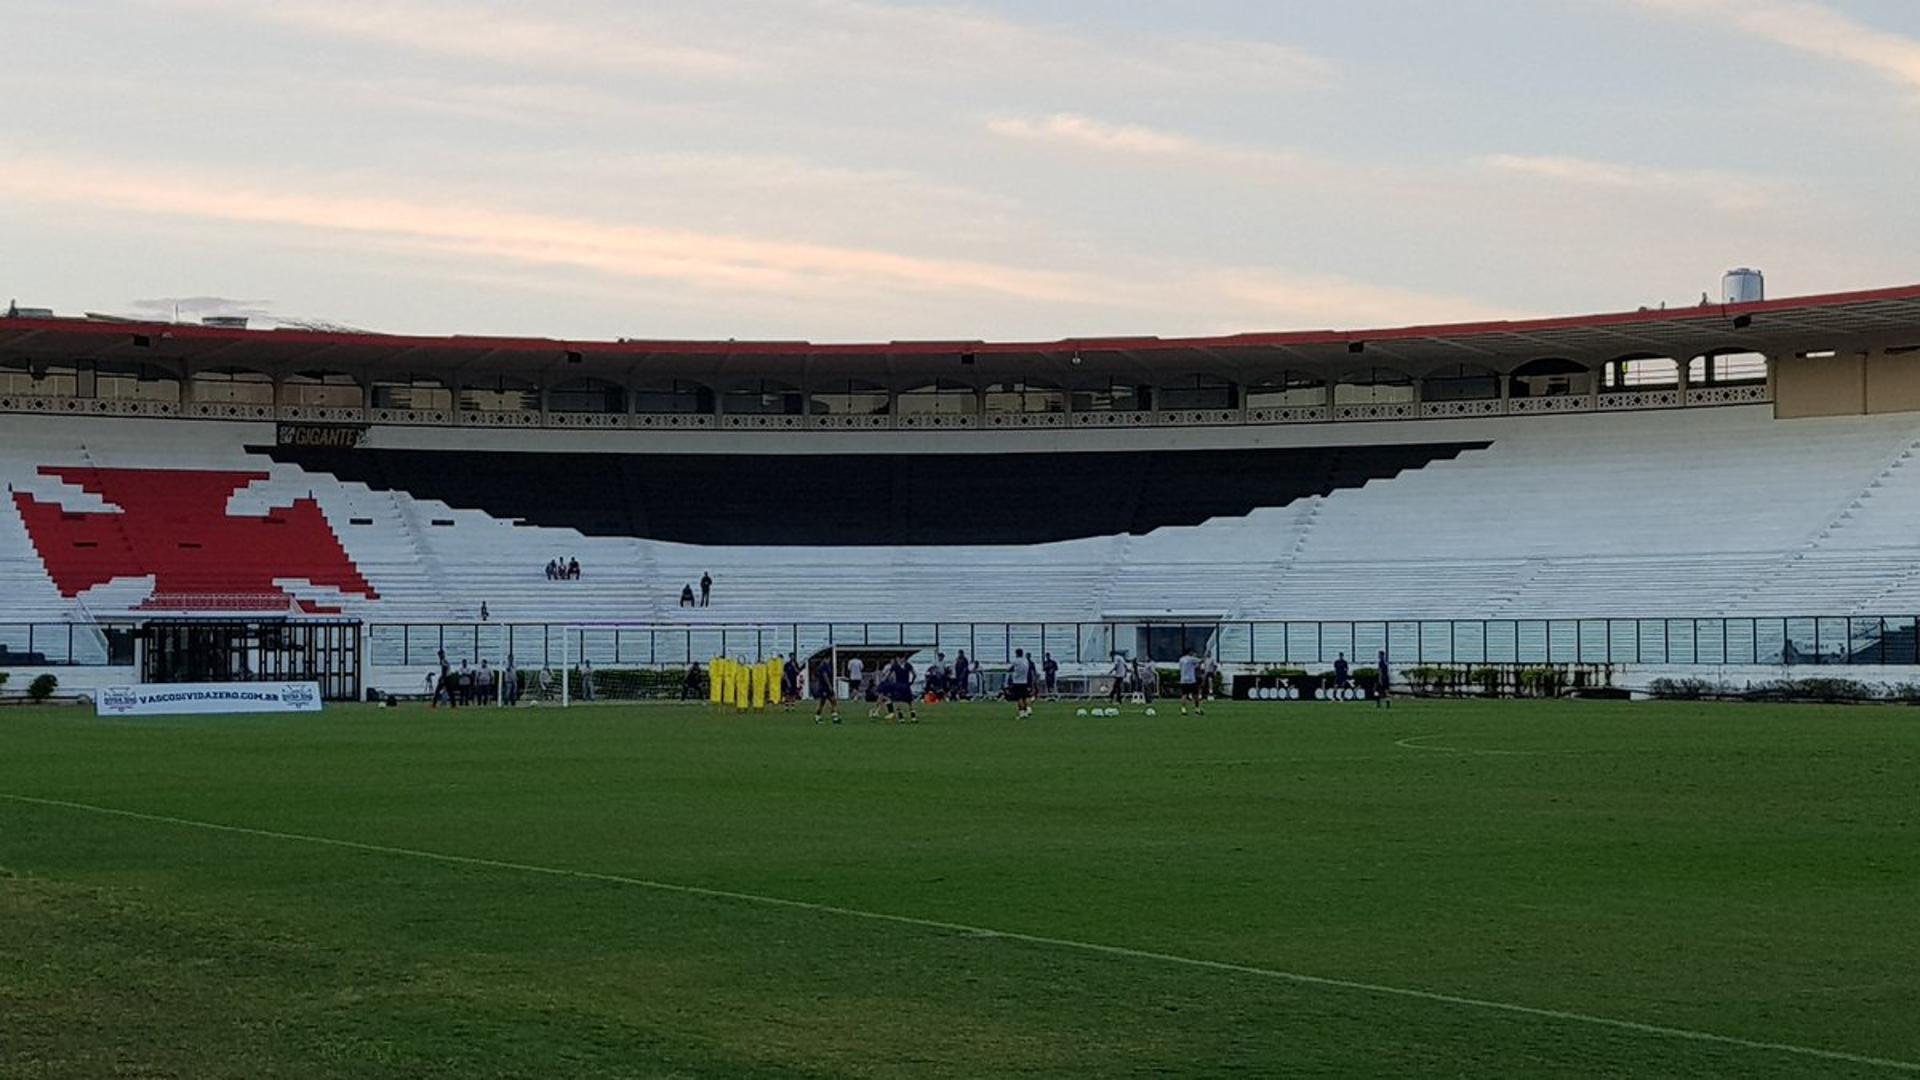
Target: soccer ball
point(1151, 712)
point(1079, 712)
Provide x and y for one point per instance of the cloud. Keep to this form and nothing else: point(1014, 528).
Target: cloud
point(526, 104)
point(746, 272)
point(794, 41)
point(1722, 190)
point(1810, 28)
point(204, 305)
point(712, 260)
point(471, 32)
point(1076, 132)
point(1079, 131)
point(974, 45)
point(1279, 300)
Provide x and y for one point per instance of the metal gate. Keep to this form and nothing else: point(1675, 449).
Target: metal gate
point(325, 651)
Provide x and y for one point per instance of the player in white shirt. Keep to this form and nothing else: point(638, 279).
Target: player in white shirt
point(1189, 682)
point(1020, 684)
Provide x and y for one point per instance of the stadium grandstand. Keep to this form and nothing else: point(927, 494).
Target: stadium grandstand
point(1727, 485)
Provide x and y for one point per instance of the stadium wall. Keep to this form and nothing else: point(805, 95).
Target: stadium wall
point(1847, 384)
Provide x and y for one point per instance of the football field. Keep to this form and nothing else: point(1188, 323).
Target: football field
point(1577, 889)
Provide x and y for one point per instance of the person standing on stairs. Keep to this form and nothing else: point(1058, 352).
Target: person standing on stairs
point(706, 588)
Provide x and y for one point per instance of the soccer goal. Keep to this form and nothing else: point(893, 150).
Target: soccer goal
point(629, 662)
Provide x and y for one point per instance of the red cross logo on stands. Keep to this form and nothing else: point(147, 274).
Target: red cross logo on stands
point(174, 526)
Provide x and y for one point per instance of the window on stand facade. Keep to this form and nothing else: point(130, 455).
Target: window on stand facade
point(1114, 397)
point(1461, 382)
point(500, 394)
point(681, 398)
point(1640, 373)
point(418, 394)
point(135, 382)
point(1199, 392)
point(1025, 397)
point(851, 397)
point(588, 396)
point(321, 389)
point(1374, 386)
point(1288, 390)
point(1550, 377)
point(943, 398)
point(233, 386)
point(1727, 369)
point(765, 399)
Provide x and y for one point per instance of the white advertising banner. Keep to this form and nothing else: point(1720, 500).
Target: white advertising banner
point(173, 699)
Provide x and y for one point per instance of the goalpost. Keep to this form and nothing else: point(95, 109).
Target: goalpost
point(636, 661)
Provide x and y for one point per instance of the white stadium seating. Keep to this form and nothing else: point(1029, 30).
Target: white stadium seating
point(1696, 513)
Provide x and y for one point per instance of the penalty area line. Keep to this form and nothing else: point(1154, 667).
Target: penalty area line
point(1121, 951)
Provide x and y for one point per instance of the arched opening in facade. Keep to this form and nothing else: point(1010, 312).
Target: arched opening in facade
point(764, 398)
point(587, 395)
point(1198, 392)
point(502, 393)
point(118, 381)
point(1116, 396)
point(1374, 386)
point(679, 398)
point(412, 394)
point(1025, 396)
point(322, 389)
point(1640, 372)
point(1550, 376)
point(850, 397)
point(1729, 367)
point(232, 386)
point(1288, 390)
point(945, 397)
point(1461, 382)
point(43, 380)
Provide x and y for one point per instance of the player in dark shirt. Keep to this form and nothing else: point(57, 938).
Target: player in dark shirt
point(789, 683)
point(898, 690)
point(821, 683)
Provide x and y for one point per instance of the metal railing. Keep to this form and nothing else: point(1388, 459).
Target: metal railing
point(1785, 640)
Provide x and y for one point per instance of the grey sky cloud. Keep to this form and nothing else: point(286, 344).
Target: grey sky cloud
point(858, 168)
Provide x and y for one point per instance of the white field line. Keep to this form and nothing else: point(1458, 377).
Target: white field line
point(1418, 742)
point(1297, 978)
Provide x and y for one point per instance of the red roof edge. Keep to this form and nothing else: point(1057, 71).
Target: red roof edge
point(186, 332)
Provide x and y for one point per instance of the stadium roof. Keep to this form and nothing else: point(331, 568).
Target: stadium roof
point(1887, 317)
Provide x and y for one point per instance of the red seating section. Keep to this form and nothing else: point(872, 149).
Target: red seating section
point(174, 525)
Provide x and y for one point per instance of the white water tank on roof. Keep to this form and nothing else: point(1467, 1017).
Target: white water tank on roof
point(1743, 286)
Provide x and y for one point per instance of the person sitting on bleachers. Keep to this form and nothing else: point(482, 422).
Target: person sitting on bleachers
point(686, 595)
point(573, 569)
point(553, 569)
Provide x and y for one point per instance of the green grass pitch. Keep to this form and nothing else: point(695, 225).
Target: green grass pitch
point(1061, 897)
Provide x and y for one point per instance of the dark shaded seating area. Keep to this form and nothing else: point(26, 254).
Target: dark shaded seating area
point(867, 499)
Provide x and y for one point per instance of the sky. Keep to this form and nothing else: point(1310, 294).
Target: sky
point(839, 170)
